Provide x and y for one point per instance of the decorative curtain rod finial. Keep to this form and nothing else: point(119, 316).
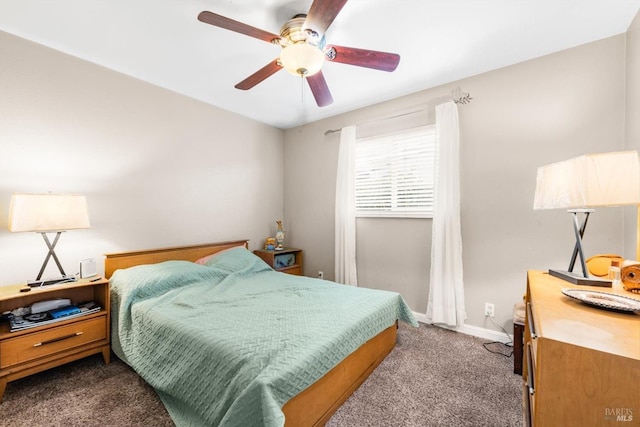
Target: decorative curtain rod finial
point(462, 98)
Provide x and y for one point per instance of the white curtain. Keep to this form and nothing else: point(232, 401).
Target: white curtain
point(345, 262)
point(446, 290)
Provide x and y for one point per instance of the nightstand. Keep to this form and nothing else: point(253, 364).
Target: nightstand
point(288, 260)
point(32, 350)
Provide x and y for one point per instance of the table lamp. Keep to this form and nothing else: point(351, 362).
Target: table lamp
point(48, 213)
point(581, 184)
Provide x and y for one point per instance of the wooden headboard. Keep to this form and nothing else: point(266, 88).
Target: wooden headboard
point(116, 261)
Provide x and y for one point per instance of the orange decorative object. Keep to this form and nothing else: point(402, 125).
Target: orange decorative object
point(270, 243)
point(598, 265)
point(630, 276)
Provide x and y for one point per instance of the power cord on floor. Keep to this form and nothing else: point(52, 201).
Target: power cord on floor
point(508, 344)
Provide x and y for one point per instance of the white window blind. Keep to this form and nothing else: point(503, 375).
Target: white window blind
point(395, 174)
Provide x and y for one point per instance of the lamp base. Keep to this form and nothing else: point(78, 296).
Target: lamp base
point(578, 279)
point(49, 282)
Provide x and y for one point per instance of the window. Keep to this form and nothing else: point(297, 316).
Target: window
point(395, 174)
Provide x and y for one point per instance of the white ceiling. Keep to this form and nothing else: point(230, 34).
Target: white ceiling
point(439, 41)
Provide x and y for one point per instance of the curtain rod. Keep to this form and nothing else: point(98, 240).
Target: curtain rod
point(457, 96)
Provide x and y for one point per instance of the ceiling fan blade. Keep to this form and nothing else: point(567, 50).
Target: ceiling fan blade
point(322, 13)
point(363, 58)
point(229, 24)
point(320, 90)
point(260, 75)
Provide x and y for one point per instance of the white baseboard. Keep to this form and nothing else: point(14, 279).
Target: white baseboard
point(476, 331)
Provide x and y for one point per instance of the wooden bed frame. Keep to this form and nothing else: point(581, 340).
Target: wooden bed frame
point(316, 404)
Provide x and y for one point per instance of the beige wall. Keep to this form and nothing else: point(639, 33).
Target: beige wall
point(523, 116)
point(632, 129)
point(159, 169)
point(632, 122)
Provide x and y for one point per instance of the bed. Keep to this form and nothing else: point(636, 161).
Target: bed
point(228, 341)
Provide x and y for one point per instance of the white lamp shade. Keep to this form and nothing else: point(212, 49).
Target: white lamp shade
point(302, 59)
point(592, 180)
point(48, 212)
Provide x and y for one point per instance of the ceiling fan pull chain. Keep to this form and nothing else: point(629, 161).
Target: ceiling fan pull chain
point(302, 89)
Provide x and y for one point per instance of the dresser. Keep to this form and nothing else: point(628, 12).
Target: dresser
point(28, 351)
point(582, 363)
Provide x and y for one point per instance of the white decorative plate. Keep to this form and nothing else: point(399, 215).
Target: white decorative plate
point(603, 299)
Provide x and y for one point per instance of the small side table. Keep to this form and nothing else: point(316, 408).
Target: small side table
point(288, 260)
point(25, 352)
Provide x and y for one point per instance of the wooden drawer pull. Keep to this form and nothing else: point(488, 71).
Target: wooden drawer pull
point(57, 339)
point(532, 326)
point(530, 372)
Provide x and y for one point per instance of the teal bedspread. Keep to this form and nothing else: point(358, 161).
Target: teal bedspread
point(228, 343)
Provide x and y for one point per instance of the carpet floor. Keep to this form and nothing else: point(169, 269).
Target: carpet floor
point(434, 377)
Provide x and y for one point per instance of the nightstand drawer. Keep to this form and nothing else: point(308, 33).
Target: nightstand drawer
point(40, 344)
point(293, 270)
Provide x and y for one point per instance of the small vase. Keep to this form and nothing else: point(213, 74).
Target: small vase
point(279, 237)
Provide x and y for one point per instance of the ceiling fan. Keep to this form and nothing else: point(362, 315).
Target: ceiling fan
point(304, 50)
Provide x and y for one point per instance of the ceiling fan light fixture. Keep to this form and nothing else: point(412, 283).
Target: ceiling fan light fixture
point(301, 59)
point(304, 48)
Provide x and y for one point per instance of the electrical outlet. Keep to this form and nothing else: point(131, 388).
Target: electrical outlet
point(489, 309)
point(320, 275)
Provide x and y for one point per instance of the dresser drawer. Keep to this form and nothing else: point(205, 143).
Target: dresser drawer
point(526, 407)
point(39, 344)
point(530, 383)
